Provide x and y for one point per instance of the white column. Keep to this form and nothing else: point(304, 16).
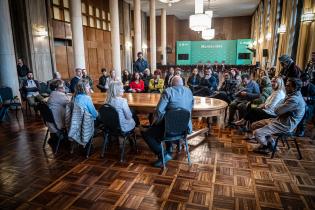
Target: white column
point(8, 72)
point(128, 41)
point(137, 26)
point(77, 34)
point(152, 36)
point(114, 23)
point(163, 36)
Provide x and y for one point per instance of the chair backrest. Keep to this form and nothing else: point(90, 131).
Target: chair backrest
point(43, 87)
point(47, 114)
point(176, 122)
point(110, 118)
point(6, 93)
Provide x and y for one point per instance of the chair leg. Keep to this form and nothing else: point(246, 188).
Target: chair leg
point(58, 143)
point(162, 154)
point(297, 148)
point(286, 141)
point(89, 148)
point(135, 141)
point(46, 136)
point(72, 147)
point(275, 148)
point(187, 151)
point(122, 150)
point(105, 142)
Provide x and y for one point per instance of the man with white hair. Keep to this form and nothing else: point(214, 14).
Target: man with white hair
point(177, 96)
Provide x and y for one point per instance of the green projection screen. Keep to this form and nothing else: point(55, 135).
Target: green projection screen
point(195, 52)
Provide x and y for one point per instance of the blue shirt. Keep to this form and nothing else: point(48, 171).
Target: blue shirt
point(252, 90)
point(173, 98)
point(140, 65)
point(84, 101)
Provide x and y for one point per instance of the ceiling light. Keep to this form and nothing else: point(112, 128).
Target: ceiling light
point(208, 34)
point(199, 22)
point(282, 29)
point(169, 2)
point(308, 16)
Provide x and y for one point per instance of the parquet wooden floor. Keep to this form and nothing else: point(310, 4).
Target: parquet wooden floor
point(225, 174)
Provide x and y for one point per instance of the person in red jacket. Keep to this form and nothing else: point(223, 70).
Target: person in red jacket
point(137, 84)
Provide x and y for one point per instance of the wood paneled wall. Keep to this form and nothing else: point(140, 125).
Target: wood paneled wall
point(226, 28)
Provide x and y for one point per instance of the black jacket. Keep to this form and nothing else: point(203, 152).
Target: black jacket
point(22, 70)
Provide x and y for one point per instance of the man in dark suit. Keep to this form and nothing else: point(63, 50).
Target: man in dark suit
point(102, 81)
point(76, 79)
point(22, 70)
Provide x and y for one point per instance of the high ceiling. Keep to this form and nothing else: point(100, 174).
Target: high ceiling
point(221, 8)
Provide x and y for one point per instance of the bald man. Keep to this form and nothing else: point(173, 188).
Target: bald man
point(174, 97)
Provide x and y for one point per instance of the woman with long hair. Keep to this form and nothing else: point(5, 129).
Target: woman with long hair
point(115, 99)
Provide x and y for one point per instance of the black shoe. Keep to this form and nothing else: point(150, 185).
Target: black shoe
point(300, 134)
point(262, 149)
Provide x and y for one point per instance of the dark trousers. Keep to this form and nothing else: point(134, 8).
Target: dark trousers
point(153, 135)
point(256, 114)
point(222, 95)
point(309, 111)
point(240, 105)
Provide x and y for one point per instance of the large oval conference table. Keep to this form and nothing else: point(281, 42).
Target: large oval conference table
point(144, 103)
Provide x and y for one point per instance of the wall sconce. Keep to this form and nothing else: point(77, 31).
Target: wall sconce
point(128, 44)
point(308, 16)
point(144, 46)
point(282, 29)
point(268, 36)
point(254, 43)
point(39, 30)
point(260, 40)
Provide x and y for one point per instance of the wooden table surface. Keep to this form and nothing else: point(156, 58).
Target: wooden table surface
point(150, 100)
point(147, 102)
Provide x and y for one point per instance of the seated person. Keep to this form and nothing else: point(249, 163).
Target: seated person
point(235, 75)
point(156, 83)
point(227, 90)
point(265, 90)
point(178, 72)
point(177, 96)
point(146, 77)
point(83, 99)
point(57, 102)
point(290, 112)
point(74, 81)
point(248, 93)
point(126, 79)
point(112, 77)
point(137, 84)
point(30, 89)
point(51, 83)
point(115, 99)
point(208, 84)
point(102, 81)
point(88, 78)
point(168, 78)
point(266, 110)
point(193, 80)
point(308, 93)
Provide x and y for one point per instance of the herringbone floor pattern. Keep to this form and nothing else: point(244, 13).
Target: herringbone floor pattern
point(225, 174)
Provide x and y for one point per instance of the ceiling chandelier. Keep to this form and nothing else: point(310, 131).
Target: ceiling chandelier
point(199, 21)
point(169, 2)
point(208, 34)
